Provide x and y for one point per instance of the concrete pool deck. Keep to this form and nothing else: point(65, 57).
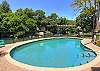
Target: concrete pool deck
point(9, 64)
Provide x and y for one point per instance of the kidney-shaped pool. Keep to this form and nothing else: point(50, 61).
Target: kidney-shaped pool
point(53, 53)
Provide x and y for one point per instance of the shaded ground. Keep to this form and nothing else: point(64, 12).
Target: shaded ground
point(4, 64)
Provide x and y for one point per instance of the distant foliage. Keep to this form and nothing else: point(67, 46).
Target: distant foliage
point(24, 22)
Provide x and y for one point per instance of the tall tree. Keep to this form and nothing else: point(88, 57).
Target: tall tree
point(19, 12)
point(88, 5)
point(5, 7)
point(29, 12)
point(85, 20)
point(53, 16)
point(98, 26)
point(40, 14)
point(62, 21)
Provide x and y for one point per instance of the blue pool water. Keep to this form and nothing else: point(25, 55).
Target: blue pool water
point(55, 53)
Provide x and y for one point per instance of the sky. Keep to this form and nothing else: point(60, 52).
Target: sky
point(61, 7)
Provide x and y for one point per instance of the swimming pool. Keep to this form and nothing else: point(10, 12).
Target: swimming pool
point(53, 53)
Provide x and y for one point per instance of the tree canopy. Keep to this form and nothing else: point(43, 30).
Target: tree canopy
point(88, 14)
point(5, 7)
point(24, 22)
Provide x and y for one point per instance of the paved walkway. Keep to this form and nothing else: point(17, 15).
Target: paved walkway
point(90, 45)
point(5, 65)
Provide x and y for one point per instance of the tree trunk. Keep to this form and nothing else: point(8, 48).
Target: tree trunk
point(94, 23)
point(98, 22)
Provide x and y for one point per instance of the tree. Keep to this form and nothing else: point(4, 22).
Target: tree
point(53, 19)
point(19, 12)
point(5, 7)
point(39, 14)
point(98, 9)
point(62, 21)
point(31, 24)
point(85, 20)
point(52, 22)
point(29, 12)
point(24, 22)
point(88, 5)
point(71, 22)
point(83, 4)
point(53, 16)
point(45, 21)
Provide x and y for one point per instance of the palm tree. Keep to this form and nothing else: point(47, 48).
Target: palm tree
point(84, 4)
point(98, 22)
